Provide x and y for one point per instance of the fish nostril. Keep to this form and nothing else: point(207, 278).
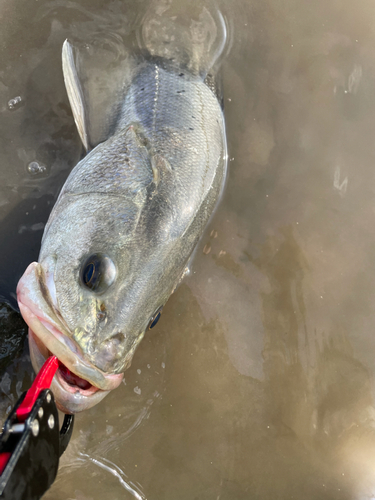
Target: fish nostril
point(101, 315)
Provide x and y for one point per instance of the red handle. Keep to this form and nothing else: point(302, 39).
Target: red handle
point(4, 458)
point(42, 381)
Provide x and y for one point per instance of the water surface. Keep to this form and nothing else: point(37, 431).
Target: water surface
point(258, 382)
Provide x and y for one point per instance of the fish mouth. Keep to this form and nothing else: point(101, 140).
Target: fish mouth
point(72, 392)
point(77, 385)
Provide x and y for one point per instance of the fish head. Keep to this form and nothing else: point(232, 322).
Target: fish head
point(102, 278)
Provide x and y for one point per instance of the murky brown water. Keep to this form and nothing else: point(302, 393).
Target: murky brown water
point(259, 381)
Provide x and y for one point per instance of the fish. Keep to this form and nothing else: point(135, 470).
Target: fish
point(126, 222)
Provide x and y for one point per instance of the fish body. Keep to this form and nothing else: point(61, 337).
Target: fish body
point(124, 227)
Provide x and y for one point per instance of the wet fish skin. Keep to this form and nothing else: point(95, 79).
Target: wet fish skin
point(142, 198)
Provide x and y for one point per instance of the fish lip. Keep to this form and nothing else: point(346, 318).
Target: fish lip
point(50, 335)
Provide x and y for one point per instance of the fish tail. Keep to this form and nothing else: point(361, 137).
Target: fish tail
point(190, 34)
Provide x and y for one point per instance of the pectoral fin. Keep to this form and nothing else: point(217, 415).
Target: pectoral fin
point(96, 82)
point(75, 94)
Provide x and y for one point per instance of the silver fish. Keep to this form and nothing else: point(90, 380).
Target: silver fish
point(124, 227)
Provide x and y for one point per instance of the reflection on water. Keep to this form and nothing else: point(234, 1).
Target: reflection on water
point(259, 380)
point(117, 473)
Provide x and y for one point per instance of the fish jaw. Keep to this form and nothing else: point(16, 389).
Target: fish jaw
point(46, 338)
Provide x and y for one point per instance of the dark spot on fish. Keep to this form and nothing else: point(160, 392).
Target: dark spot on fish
point(191, 128)
point(180, 91)
point(181, 74)
point(193, 117)
point(142, 88)
point(101, 314)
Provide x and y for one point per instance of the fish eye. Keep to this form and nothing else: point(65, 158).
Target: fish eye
point(155, 318)
point(98, 273)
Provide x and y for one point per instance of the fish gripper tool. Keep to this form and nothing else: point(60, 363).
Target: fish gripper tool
point(31, 443)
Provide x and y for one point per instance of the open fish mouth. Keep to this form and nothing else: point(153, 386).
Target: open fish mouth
point(77, 385)
point(72, 392)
